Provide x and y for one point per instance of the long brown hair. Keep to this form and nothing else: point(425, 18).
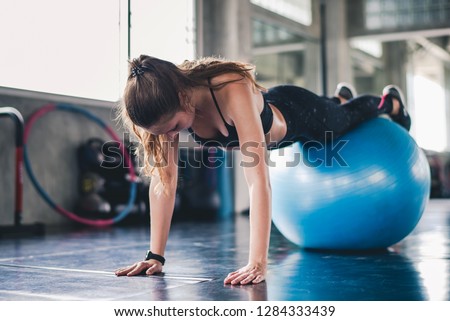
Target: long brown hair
point(152, 95)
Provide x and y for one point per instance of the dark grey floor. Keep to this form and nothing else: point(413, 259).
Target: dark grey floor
point(79, 265)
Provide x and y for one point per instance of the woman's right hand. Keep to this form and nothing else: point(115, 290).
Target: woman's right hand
point(143, 267)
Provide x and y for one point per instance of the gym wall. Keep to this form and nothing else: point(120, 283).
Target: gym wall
point(52, 151)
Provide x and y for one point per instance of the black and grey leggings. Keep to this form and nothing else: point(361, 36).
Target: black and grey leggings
point(308, 116)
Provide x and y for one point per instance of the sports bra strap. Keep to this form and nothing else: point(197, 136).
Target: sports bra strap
point(216, 104)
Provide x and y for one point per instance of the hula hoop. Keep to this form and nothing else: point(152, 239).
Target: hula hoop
point(127, 161)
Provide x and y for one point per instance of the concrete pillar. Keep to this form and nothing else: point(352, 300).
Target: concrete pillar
point(447, 101)
point(312, 76)
point(395, 58)
point(339, 67)
point(225, 29)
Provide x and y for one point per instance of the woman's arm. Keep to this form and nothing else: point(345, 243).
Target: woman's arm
point(161, 211)
point(162, 204)
point(241, 105)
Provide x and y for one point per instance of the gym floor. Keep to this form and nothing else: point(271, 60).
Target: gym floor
point(79, 265)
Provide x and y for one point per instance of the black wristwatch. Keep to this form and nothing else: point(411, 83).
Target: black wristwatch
point(153, 256)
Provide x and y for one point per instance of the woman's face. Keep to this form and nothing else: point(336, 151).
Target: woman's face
point(171, 126)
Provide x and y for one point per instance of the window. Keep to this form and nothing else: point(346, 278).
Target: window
point(429, 101)
point(80, 48)
point(163, 29)
point(296, 10)
point(63, 47)
point(385, 14)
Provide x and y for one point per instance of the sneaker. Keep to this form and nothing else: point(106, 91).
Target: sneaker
point(345, 90)
point(396, 92)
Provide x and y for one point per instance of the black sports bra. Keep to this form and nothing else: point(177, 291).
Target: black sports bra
point(232, 140)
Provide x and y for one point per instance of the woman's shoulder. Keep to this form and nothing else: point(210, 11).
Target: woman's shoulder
point(223, 80)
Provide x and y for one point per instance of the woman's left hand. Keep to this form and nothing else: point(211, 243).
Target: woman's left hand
point(251, 273)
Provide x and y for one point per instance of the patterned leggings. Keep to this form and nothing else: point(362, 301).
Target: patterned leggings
point(308, 116)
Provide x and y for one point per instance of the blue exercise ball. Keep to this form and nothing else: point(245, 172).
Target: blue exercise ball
point(364, 190)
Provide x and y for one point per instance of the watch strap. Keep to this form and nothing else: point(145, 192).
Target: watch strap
point(153, 256)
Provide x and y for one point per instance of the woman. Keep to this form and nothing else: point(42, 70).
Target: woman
point(220, 103)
